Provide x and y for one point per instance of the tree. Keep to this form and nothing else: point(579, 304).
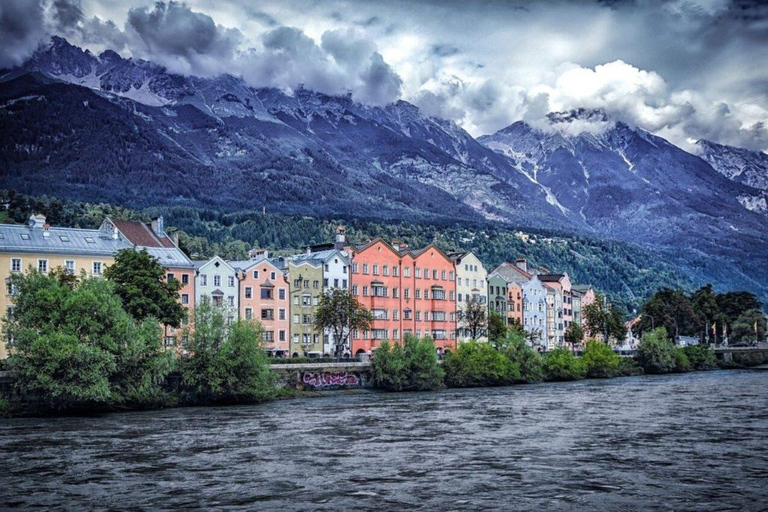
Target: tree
point(141, 285)
point(226, 364)
point(743, 329)
point(73, 346)
point(704, 302)
point(560, 364)
point(574, 335)
point(474, 317)
point(497, 328)
point(479, 364)
point(601, 319)
point(600, 361)
point(412, 366)
point(655, 353)
point(670, 309)
point(340, 312)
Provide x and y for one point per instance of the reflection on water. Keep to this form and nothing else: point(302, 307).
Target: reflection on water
point(688, 442)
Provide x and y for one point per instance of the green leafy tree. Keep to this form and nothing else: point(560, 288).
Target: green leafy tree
point(670, 309)
point(560, 365)
point(73, 346)
point(497, 328)
point(141, 284)
point(340, 312)
point(655, 353)
point(412, 366)
point(574, 335)
point(704, 303)
point(601, 362)
point(226, 363)
point(525, 358)
point(601, 319)
point(749, 326)
point(701, 357)
point(476, 364)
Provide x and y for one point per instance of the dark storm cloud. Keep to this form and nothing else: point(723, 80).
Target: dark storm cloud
point(175, 29)
point(22, 28)
point(67, 14)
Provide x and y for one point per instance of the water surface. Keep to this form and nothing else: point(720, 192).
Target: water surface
point(686, 442)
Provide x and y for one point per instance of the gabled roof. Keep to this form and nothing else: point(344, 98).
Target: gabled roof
point(551, 278)
point(321, 256)
point(202, 263)
point(143, 237)
point(583, 288)
point(512, 273)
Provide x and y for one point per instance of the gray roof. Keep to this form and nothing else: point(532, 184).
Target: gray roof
point(511, 274)
point(60, 241)
point(169, 256)
point(318, 256)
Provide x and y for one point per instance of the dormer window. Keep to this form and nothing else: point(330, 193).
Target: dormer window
point(25, 236)
point(90, 240)
point(64, 238)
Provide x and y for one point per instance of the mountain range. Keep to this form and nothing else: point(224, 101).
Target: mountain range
point(105, 128)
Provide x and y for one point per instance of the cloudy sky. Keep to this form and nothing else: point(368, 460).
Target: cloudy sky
point(684, 69)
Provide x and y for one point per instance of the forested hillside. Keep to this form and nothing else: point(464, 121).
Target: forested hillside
point(628, 273)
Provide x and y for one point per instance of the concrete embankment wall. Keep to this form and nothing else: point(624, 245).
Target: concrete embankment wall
point(323, 376)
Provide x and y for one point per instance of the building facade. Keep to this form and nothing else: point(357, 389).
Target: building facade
point(471, 284)
point(216, 281)
point(40, 247)
point(306, 287)
point(264, 297)
point(407, 292)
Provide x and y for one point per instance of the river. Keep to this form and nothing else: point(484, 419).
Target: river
point(684, 442)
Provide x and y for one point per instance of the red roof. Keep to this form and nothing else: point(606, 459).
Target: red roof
point(139, 233)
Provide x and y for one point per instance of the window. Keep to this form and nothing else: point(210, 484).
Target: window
point(417, 272)
point(169, 341)
point(325, 282)
point(418, 315)
point(442, 275)
point(42, 266)
point(395, 272)
point(306, 300)
point(407, 293)
point(281, 314)
point(315, 300)
point(296, 300)
point(185, 298)
point(434, 275)
point(395, 314)
point(418, 293)
point(335, 283)
point(354, 268)
point(249, 292)
point(15, 264)
point(231, 300)
point(458, 298)
point(365, 291)
point(438, 316)
point(450, 275)
point(344, 283)
point(248, 313)
point(25, 236)
point(316, 284)
point(396, 292)
point(281, 294)
point(184, 278)
point(255, 274)
point(267, 314)
point(269, 336)
point(203, 280)
point(295, 319)
point(395, 334)
point(90, 240)
point(379, 291)
point(267, 293)
point(407, 271)
point(69, 265)
point(272, 276)
point(216, 280)
point(231, 281)
point(379, 314)
point(439, 294)
point(306, 319)
point(64, 238)
point(281, 334)
point(426, 273)
point(365, 268)
point(354, 289)
point(406, 314)
point(306, 283)
point(379, 334)
point(375, 269)
point(426, 293)
point(170, 277)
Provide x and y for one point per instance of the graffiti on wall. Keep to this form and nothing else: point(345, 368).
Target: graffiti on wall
point(320, 380)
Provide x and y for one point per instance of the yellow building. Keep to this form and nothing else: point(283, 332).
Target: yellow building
point(41, 247)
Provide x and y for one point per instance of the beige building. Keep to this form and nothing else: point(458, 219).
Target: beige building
point(41, 247)
point(471, 281)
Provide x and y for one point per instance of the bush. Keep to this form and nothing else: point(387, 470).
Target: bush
point(701, 357)
point(227, 364)
point(525, 358)
point(747, 360)
point(682, 364)
point(600, 361)
point(656, 354)
point(628, 367)
point(560, 365)
point(479, 364)
point(411, 366)
point(75, 347)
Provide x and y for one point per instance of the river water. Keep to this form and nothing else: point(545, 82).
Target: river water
point(686, 442)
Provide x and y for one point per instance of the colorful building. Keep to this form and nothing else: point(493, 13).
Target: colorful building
point(534, 300)
point(264, 297)
point(216, 281)
point(471, 283)
point(306, 287)
point(41, 247)
point(407, 292)
point(158, 244)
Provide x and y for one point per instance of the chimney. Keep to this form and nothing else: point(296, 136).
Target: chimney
point(341, 238)
point(36, 221)
point(522, 264)
point(157, 226)
point(46, 230)
point(309, 250)
point(115, 233)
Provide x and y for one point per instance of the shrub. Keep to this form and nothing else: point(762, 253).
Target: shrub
point(411, 366)
point(560, 364)
point(656, 354)
point(479, 364)
point(682, 364)
point(628, 366)
point(701, 357)
point(227, 364)
point(525, 358)
point(600, 361)
point(749, 359)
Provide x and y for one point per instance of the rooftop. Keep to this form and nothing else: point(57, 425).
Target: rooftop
point(22, 238)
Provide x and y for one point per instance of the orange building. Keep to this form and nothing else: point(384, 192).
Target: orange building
point(407, 292)
point(514, 303)
point(264, 297)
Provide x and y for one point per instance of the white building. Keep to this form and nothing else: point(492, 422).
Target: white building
point(216, 281)
point(471, 281)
